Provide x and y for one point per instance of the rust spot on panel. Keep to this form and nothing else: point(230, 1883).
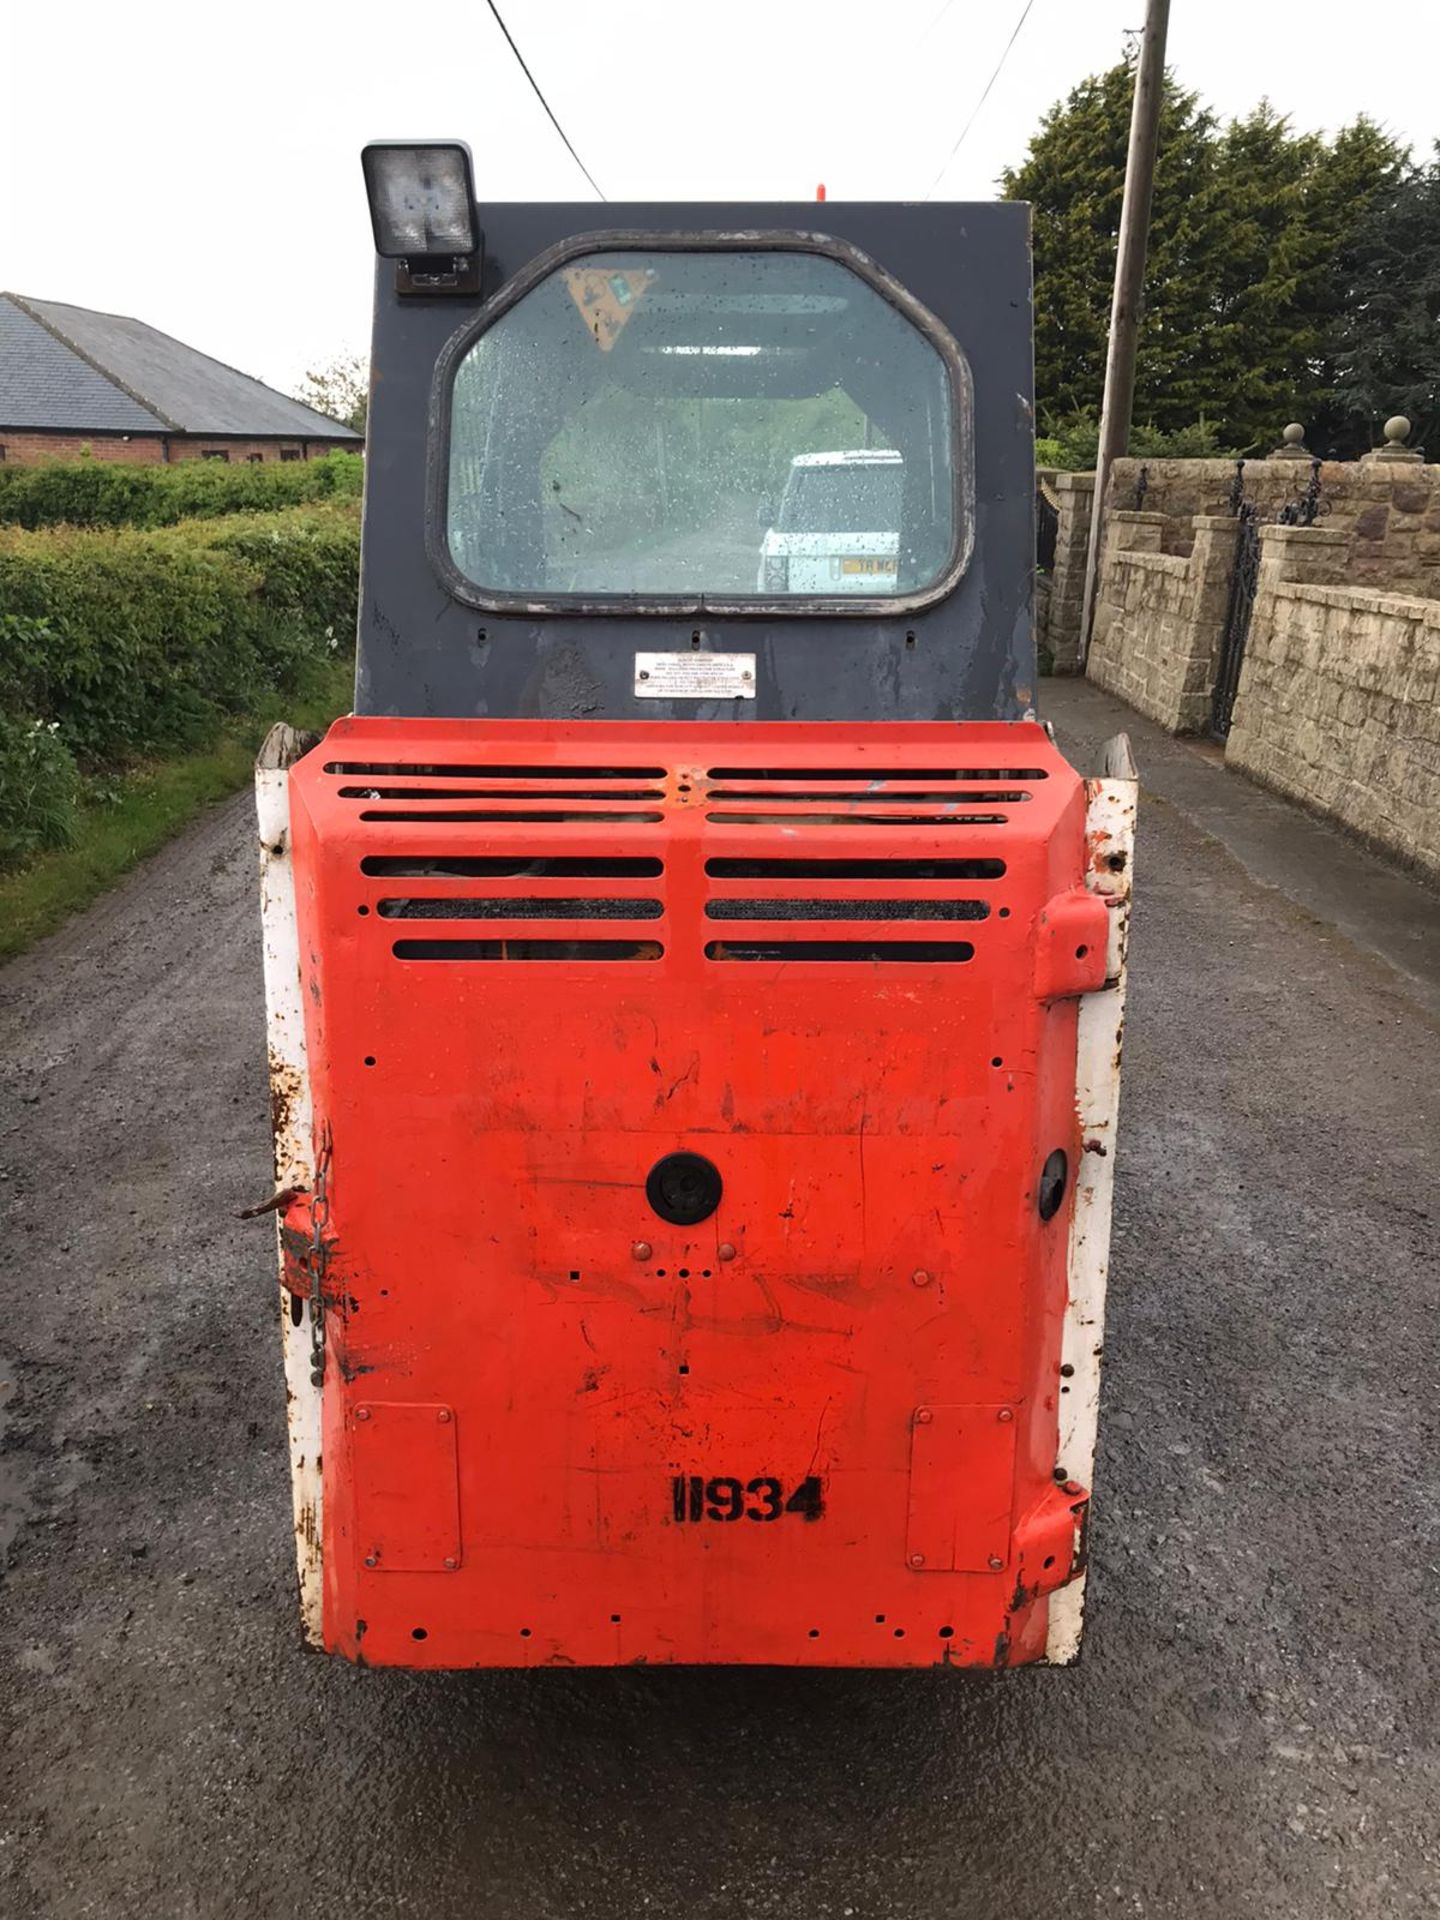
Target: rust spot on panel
point(286, 1089)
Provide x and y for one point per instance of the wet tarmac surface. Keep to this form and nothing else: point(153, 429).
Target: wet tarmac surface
point(1253, 1730)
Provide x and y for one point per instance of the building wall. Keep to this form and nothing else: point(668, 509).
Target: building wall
point(25, 447)
point(1339, 702)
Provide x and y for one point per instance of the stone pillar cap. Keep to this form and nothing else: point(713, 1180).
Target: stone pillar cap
point(1294, 447)
point(1397, 432)
point(1304, 536)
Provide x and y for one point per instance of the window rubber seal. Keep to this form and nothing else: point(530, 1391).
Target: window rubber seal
point(747, 606)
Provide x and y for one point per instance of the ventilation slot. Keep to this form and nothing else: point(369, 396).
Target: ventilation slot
point(857, 774)
point(972, 795)
point(527, 949)
point(931, 952)
point(785, 869)
point(845, 910)
point(516, 908)
point(843, 819)
point(517, 816)
point(415, 771)
point(504, 793)
point(499, 866)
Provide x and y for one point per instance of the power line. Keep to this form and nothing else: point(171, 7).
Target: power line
point(1024, 16)
point(535, 84)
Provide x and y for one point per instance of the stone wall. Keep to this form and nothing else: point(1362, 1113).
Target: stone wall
point(1390, 507)
point(1159, 617)
point(1339, 698)
point(1060, 633)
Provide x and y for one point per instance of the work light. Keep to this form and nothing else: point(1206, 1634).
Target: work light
point(422, 198)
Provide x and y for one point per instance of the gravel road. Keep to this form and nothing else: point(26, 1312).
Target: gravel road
point(1253, 1731)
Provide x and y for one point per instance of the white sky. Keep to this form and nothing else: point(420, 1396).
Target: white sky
point(197, 166)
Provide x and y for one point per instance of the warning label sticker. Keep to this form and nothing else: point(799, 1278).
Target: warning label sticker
point(606, 300)
point(695, 676)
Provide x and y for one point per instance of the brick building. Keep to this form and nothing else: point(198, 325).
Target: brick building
point(73, 381)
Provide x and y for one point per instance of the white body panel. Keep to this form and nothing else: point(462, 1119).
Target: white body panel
point(294, 1142)
point(1109, 842)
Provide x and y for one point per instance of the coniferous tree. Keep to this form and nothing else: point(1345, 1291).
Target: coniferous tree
point(1251, 258)
point(1074, 177)
point(1384, 348)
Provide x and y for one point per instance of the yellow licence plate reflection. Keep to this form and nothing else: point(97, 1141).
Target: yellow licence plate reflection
point(867, 563)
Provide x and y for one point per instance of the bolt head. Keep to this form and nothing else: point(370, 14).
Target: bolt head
point(642, 1250)
point(917, 1559)
point(920, 1277)
point(1004, 1414)
point(924, 1417)
point(372, 1559)
point(725, 1251)
point(362, 1413)
point(996, 1563)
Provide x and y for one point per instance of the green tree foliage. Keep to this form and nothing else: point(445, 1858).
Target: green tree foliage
point(340, 390)
point(1073, 443)
point(1074, 177)
point(1384, 349)
point(1250, 228)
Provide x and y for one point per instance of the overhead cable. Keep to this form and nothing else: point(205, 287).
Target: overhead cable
point(999, 64)
point(535, 85)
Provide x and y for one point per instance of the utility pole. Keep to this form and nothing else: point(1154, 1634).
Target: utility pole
point(1119, 398)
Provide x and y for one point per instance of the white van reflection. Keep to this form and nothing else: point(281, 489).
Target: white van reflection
point(838, 526)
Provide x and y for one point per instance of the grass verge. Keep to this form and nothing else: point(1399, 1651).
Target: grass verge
point(151, 804)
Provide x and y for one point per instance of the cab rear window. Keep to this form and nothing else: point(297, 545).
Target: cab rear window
point(707, 427)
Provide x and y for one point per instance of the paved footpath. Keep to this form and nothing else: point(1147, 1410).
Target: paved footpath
point(1253, 1731)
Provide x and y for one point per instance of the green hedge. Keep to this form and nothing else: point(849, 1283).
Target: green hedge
point(116, 647)
point(94, 493)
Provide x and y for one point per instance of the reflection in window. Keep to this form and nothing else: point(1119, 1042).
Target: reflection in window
point(702, 424)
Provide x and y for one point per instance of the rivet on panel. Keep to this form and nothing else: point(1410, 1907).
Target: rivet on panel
point(725, 1251)
point(451, 1563)
point(372, 1559)
point(996, 1563)
point(362, 1413)
point(641, 1250)
point(1004, 1414)
point(920, 1277)
point(924, 1417)
point(443, 1416)
point(917, 1559)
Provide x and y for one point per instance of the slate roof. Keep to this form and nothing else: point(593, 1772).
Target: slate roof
point(43, 384)
point(75, 370)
